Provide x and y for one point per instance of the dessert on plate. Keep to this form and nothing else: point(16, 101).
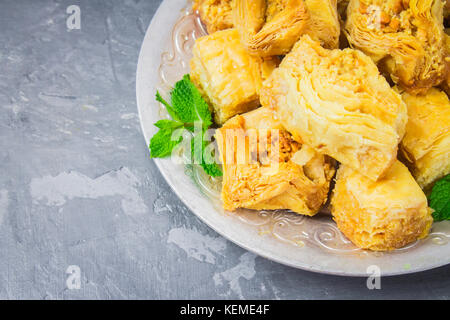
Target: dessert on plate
point(297, 90)
point(405, 38)
point(337, 102)
point(265, 168)
point(426, 145)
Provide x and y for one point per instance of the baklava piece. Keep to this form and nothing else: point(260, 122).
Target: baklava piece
point(426, 144)
point(405, 38)
point(265, 169)
point(324, 23)
point(272, 27)
point(337, 102)
point(216, 15)
point(382, 215)
point(227, 75)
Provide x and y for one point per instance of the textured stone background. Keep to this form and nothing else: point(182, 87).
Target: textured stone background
point(77, 186)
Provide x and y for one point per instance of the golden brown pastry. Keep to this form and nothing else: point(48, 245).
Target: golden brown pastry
point(382, 215)
point(264, 168)
point(324, 23)
point(272, 27)
point(426, 144)
point(227, 75)
point(216, 15)
point(337, 102)
point(406, 38)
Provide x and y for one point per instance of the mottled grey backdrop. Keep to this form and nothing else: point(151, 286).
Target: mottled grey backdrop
point(77, 186)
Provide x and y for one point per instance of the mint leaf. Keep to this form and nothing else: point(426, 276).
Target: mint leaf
point(212, 169)
point(187, 108)
point(163, 124)
point(206, 161)
point(169, 108)
point(209, 161)
point(189, 104)
point(197, 149)
point(440, 199)
point(162, 143)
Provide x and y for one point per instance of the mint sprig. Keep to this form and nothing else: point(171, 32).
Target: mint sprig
point(162, 143)
point(440, 199)
point(187, 107)
point(205, 159)
point(188, 103)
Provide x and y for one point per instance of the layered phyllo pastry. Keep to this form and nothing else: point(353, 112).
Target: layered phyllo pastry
point(380, 215)
point(405, 38)
point(229, 77)
point(337, 102)
point(265, 168)
point(426, 145)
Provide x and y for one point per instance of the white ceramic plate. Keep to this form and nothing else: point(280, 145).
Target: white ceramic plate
point(313, 244)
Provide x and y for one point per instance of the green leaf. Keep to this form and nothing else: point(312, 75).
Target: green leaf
point(189, 104)
point(169, 108)
point(162, 143)
point(165, 124)
point(440, 199)
point(206, 161)
point(188, 108)
point(197, 151)
point(212, 169)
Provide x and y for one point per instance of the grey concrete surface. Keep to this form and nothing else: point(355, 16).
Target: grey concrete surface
point(77, 187)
